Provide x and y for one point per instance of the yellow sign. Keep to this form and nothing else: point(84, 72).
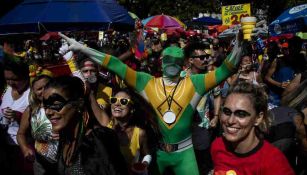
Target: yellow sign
point(232, 14)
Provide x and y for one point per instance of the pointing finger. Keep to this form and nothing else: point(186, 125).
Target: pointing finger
point(63, 36)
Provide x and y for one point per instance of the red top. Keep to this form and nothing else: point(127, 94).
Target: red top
point(264, 159)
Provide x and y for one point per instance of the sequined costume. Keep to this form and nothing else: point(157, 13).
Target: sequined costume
point(104, 159)
point(41, 130)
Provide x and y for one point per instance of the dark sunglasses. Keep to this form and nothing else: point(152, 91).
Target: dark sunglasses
point(202, 57)
point(122, 101)
point(237, 113)
point(215, 46)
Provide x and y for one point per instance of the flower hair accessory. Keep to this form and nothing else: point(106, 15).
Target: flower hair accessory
point(35, 70)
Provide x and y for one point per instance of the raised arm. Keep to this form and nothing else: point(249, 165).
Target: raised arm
point(68, 56)
point(135, 79)
point(100, 114)
point(204, 82)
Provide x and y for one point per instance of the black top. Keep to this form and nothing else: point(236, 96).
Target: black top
point(99, 153)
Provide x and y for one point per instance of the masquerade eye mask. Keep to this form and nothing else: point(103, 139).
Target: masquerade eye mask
point(55, 102)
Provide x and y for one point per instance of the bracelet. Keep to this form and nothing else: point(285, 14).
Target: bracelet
point(147, 159)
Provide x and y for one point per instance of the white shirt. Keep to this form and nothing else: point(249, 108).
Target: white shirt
point(19, 105)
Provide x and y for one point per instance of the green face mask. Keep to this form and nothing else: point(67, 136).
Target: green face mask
point(171, 66)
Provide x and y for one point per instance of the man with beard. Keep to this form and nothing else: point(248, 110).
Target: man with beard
point(206, 117)
point(174, 99)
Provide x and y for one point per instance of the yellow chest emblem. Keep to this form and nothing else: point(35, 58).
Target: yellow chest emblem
point(167, 98)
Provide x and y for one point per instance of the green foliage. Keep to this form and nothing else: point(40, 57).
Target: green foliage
point(187, 9)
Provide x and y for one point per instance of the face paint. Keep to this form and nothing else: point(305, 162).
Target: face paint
point(91, 79)
point(55, 102)
point(171, 70)
point(89, 72)
point(171, 66)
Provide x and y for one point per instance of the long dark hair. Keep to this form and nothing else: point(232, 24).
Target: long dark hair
point(17, 65)
point(74, 89)
point(143, 115)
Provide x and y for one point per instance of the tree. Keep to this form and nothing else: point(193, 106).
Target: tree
point(185, 10)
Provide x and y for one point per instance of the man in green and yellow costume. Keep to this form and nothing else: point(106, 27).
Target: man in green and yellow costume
point(174, 99)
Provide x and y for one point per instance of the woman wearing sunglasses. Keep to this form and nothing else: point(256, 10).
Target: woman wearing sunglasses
point(127, 123)
point(84, 148)
point(35, 121)
point(173, 97)
point(241, 149)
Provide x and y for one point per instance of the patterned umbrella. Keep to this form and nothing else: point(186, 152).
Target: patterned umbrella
point(164, 22)
point(291, 20)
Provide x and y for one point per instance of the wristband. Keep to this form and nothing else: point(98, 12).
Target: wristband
point(147, 158)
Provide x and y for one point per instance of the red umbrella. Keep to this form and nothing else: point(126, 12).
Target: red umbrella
point(174, 31)
point(50, 35)
point(164, 22)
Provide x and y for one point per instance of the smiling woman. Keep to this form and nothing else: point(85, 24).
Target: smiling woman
point(242, 150)
point(83, 148)
point(128, 122)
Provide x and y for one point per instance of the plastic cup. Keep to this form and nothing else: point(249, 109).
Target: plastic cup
point(248, 24)
point(139, 169)
point(4, 120)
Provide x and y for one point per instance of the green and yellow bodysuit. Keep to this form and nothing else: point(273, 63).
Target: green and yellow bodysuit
point(182, 102)
point(174, 104)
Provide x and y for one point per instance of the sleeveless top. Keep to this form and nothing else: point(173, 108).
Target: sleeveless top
point(131, 151)
point(41, 130)
point(19, 105)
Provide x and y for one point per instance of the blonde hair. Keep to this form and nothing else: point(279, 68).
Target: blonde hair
point(33, 100)
point(258, 98)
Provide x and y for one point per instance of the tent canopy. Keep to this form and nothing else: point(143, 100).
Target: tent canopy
point(34, 16)
point(207, 21)
point(291, 20)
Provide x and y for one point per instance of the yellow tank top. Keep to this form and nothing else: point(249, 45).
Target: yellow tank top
point(131, 152)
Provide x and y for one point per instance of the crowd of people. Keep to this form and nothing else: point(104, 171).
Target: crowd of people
point(187, 105)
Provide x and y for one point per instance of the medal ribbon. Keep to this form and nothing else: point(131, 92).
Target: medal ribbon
point(169, 103)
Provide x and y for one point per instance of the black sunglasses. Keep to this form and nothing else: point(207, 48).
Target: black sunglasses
point(215, 46)
point(122, 101)
point(238, 113)
point(201, 57)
